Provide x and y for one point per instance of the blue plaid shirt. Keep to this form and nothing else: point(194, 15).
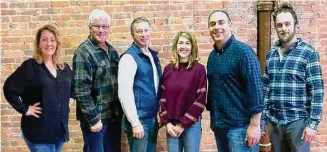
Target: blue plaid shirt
point(293, 86)
point(235, 91)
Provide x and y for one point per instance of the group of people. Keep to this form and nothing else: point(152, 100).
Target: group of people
point(130, 91)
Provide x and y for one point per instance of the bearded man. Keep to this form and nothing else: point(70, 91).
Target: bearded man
point(293, 87)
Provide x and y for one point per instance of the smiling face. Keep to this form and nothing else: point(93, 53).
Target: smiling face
point(99, 30)
point(220, 27)
point(285, 27)
point(47, 43)
point(142, 34)
point(184, 48)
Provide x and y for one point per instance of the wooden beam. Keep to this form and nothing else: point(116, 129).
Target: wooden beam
point(264, 8)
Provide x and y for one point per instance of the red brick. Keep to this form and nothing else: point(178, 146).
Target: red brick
point(40, 4)
point(159, 2)
point(4, 5)
point(18, 5)
point(79, 17)
point(7, 60)
point(112, 9)
point(172, 7)
point(61, 17)
point(154, 8)
point(120, 29)
point(119, 2)
point(122, 15)
point(140, 2)
point(30, 12)
point(198, 5)
point(160, 41)
point(4, 19)
point(59, 4)
point(97, 3)
point(9, 12)
point(143, 14)
point(214, 5)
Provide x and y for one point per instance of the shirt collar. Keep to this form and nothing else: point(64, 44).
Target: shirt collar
point(296, 44)
point(225, 46)
point(95, 44)
point(139, 51)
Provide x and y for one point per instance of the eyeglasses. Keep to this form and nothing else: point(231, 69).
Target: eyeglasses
point(97, 27)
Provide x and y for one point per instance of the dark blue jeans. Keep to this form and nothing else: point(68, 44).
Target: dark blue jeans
point(54, 147)
point(146, 144)
point(107, 140)
point(288, 137)
point(233, 140)
point(189, 140)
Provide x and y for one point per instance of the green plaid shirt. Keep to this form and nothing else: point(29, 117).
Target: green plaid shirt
point(95, 82)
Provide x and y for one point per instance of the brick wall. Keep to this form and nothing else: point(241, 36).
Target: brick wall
point(20, 21)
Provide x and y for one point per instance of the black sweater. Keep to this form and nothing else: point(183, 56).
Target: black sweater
point(32, 83)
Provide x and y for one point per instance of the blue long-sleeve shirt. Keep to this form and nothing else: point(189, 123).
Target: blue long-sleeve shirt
point(293, 86)
point(235, 90)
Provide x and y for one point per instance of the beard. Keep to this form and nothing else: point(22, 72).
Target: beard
point(286, 39)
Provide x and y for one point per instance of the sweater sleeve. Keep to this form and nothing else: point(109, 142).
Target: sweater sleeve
point(126, 72)
point(162, 101)
point(193, 113)
point(15, 85)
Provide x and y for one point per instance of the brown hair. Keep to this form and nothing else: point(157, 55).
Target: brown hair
point(56, 57)
point(284, 8)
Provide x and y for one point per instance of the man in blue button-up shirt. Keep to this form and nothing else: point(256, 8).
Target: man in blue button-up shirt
point(235, 94)
point(293, 87)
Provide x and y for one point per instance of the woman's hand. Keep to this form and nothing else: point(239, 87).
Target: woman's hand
point(170, 130)
point(34, 110)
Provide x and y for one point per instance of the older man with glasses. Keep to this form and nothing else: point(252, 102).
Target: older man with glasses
point(95, 64)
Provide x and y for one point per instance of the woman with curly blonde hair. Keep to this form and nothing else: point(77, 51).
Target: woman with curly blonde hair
point(40, 89)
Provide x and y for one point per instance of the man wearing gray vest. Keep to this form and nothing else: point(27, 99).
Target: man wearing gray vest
point(138, 80)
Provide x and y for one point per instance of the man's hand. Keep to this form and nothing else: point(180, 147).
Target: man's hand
point(138, 131)
point(308, 135)
point(170, 130)
point(34, 110)
point(253, 134)
point(179, 129)
point(97, 127)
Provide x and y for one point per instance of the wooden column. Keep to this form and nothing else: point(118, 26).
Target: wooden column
point(265, 8)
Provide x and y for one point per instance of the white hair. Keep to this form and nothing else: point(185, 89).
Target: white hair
point(98, 14)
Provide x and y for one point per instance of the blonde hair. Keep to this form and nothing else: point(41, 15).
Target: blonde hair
point(192, 59)
point(56, 57)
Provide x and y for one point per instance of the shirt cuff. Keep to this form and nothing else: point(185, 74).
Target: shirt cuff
point(256, 110)
point(135, 123)
point(313, 124)
point(94, 120)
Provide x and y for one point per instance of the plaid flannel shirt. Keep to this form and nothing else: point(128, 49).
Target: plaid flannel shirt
point(95, 81)
point(293, 86)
